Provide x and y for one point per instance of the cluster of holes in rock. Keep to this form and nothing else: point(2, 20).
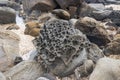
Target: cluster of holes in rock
point(58, 39)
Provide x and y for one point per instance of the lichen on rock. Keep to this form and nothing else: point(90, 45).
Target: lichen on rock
point(61, 48)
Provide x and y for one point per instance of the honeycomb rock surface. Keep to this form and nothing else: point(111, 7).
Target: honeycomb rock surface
point(61, 48)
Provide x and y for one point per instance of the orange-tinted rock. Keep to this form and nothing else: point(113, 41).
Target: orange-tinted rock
point(32, 28)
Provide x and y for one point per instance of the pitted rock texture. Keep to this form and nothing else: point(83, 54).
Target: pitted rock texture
point(61, 48)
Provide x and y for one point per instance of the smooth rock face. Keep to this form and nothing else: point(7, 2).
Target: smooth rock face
point(30, 56)
point(61, 48)
point(94, 30)
point(47, 77)
point(7, 15)
point(2, 77)
point(9, 49)
point(106, 69)
point(97, 6)
point(26, 70)
point(42, 5)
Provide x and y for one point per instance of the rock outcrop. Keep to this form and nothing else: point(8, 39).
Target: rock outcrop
point(61, 48)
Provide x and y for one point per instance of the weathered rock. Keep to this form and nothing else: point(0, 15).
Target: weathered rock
point(62, 14)
point(43, 78)
point(65, 3)
point(73, 21)
point(86, 69)
point(94, 30)
point(13, 26)
point(95, 1)
point(113, 47)
point(85, 10)
point(42, 5)
point(114, 56)
point(7, 15)
point(34, 14)
point(61, 48)
point(18, 1)
point(2, 77)
point(8, 26)
point(101, 15)
point(26, 70)
point(96, 11)
point(9, 49)
point(10, 4)
point(47, 77)
point(45, 17)
point(118, 31)
point(30, 55)
point(18, 60)
point(113, 1)
point(32, 28)
point(72, 10)
point(106, 69)
point(116, 21)
point(115, 17)
point(97, 6)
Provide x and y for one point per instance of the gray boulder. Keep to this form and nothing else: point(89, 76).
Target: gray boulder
point(10, 4)
point(42, 5)
point(7, 15)
point(106, 69)
point(2, 77)
point(26, 70)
